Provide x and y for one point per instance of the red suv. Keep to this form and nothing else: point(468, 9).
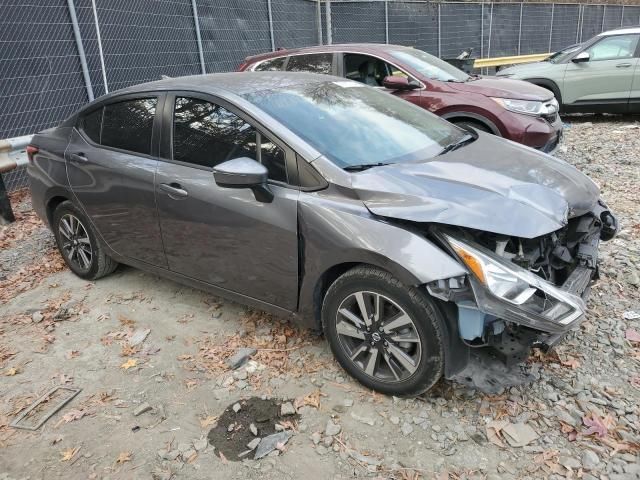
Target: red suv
point(513, 109)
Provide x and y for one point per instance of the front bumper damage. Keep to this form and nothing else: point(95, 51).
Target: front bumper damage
point(496, 347)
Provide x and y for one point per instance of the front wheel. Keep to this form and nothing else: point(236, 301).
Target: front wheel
point(78, 243)
point(386, 335)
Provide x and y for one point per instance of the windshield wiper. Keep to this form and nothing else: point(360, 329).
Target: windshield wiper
point(452, 146)
point(363, 166)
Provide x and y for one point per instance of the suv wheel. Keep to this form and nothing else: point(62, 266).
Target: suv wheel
point(470, 123)
point(386, 335)
point(77, 242)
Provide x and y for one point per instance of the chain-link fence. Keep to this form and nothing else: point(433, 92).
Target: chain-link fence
point(55, 55)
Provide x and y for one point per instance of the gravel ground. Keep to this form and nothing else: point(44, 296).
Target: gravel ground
point(148, 400)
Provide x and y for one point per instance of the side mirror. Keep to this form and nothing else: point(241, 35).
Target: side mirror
point(244, 172)
point(581, 57)
point(396, 82)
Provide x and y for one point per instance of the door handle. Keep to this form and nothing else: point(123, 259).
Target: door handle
point(174, 190)
point(78, 158)
point(623, 65)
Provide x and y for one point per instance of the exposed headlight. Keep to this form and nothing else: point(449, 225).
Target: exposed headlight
point(528, 107)
point(516, 294)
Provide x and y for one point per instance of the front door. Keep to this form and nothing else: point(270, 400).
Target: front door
point(218, 235)
point(111, 166)
point(606, 78)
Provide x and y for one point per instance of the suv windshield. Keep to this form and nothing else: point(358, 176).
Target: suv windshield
point(354, 125)
point(430, 66)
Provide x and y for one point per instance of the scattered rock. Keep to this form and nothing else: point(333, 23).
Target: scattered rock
point(406, 429)
point(253, 443)
point(287, 408)
point(37, 317)
point(236, 407)
point(519, 434)
point(590, 460)
point(253, 429)
point(270, 443)
point(332, 429)
point(200, 444)
point(362, 418)
point(569, 462)
point(142, 408)
point(240, 357)
point(139, 336)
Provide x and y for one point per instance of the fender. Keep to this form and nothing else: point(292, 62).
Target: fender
point(548, 84)
point(458, 114)
point(333, 234)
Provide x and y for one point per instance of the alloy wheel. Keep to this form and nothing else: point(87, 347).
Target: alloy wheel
point(75, 243)
point(379, 337)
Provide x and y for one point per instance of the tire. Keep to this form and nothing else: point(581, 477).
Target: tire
point(78, 243)
point(472, 124)
point(421, 341)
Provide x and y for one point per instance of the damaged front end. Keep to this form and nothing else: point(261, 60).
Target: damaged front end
point(520, 293)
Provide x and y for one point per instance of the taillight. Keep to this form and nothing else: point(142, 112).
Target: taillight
point(31, 151)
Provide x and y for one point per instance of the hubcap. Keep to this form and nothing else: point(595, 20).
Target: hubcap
point(379, 337)
point(76, 246)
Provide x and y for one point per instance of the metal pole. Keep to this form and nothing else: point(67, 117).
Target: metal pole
point(386, 22)
point(482, 30)
point(520, 28)
point(273, 42)
point(319, 21)
point(604, 15)
point(553, 5)
point(490, 27)
point(622, 17)
point(80, 47)
point(196, 21)
point(101, 53)
point(439, 32)
point(578, 26)
point(327, 14)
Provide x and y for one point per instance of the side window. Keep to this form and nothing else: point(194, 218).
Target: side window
point(615, 47)
point(91, 124)
point(128, 125)
point(206, 134)
point(315, 63)
point(270, 65)
point(272, 157)
point(366, 69)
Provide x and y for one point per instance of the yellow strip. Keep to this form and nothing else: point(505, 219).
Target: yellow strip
point(498, 61)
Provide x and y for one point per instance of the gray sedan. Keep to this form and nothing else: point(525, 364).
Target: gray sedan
point(420, 249)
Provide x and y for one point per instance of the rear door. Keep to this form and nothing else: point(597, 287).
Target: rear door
point(111, 162)
point(224, 236)
point(607, 77)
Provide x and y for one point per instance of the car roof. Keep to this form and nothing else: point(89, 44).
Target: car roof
point(620, 31)
point(336, 47)
point(238, 83)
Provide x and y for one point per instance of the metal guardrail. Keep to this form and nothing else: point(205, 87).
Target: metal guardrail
point(10, 159)
point(500, 61)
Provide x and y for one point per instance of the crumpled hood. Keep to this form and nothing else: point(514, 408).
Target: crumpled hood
point(504, 88)
point(492, 184)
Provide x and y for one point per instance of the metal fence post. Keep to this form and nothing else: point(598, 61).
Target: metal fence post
point(327, 14)
point(273, 41)
point(439, 31)
point(578, 26)
point(490, 28)
point(604, 15)
point(520, 28)
point(482, 30)
point(386, 21)
point(553, 8)
point(196, 21)
point(319, 20)
point(621, 17)
point(80, 47)
point(100, 52)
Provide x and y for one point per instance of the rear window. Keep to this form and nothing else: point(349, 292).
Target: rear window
point(270, 65)
point(314, 62)
point(128, 125)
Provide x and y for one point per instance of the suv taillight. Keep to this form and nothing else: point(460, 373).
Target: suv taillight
point(31, 151)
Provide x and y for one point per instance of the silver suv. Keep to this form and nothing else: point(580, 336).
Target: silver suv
point(600, 75)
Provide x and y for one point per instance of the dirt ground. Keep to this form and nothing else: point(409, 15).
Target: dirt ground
point(150, 399)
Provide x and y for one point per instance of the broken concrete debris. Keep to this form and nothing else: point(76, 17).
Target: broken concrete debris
point(270, 443)
point(240, 357)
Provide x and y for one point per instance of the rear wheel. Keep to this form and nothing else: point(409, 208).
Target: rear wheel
point(77, 242)
point(386, 335)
